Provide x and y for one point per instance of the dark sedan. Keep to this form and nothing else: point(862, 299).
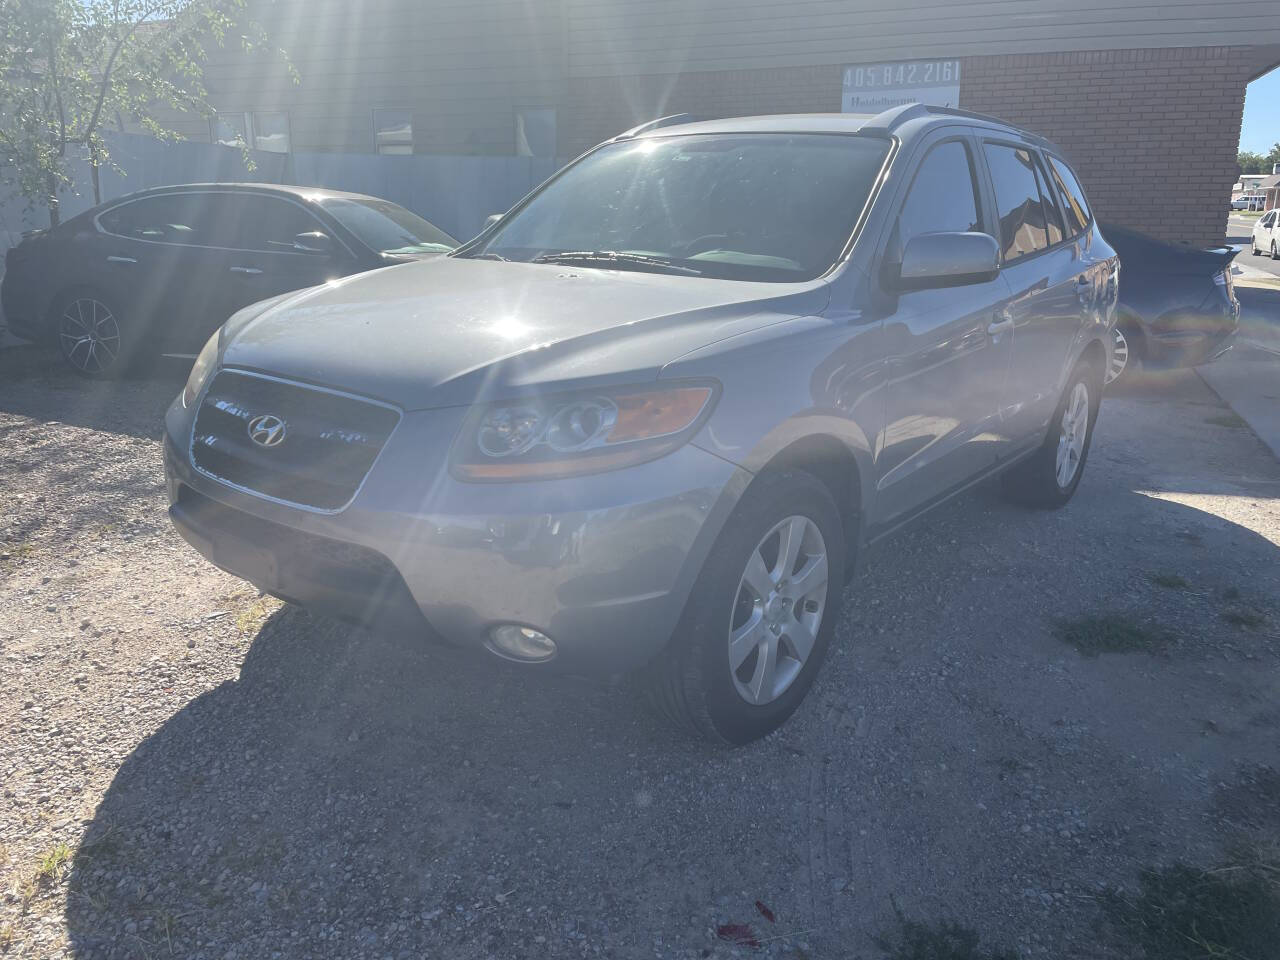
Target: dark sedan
point(1177, 304)
point(157, 272)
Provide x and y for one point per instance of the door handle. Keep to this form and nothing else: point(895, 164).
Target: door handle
point(253, 271)
point(997, 327)
point(114, 259)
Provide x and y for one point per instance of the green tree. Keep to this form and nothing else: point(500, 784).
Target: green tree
point(1251, 162)
point(67, 67)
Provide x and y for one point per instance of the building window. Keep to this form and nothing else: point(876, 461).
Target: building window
point(231, 129)
point(271, 132)
point(262, 131)
point(535, 132)
point(393, 131)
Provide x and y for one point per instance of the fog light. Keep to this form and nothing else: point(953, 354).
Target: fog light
point(521, 643)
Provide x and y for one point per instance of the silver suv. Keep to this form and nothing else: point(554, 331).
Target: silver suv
point(648, 420)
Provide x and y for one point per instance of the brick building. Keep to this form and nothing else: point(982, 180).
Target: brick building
point(1135, 93)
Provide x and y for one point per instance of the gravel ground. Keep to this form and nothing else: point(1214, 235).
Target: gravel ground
point(190, 770)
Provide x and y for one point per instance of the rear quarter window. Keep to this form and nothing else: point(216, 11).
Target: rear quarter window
point(1076, 208)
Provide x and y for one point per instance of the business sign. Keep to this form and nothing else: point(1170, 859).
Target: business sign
point(873, 87)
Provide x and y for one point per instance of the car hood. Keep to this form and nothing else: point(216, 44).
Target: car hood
point(452, 331)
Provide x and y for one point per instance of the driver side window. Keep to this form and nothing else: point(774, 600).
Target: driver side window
point(942, 198)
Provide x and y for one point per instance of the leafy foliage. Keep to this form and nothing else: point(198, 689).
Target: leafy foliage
point(70, 67)
point(1258, 163)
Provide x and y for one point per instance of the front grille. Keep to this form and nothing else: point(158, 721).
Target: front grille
point(330, 439)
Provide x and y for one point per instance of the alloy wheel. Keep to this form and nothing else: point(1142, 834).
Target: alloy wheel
point(1075, 426)
point(1119, 356)
point(778, 610)
point(89, 335)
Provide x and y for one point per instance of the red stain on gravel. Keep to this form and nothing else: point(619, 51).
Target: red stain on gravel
point(739, 933)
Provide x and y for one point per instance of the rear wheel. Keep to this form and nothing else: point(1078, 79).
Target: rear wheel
point(1275, 252)
point(91, 336)
point(760, 618)
point(1050, 476)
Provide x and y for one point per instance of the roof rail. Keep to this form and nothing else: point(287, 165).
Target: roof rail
point(657, 124)
point(894, 117)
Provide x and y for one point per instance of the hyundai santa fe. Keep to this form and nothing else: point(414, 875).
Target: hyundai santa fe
point(648, 420)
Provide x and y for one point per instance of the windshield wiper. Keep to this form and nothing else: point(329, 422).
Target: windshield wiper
point(481, 256)
point(616, 259)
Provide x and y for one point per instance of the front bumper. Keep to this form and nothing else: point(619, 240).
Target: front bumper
point(603, 564)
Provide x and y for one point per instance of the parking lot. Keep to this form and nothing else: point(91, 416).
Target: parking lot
point(192, 770)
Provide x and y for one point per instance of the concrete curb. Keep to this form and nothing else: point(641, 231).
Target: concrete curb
point(1250, 385)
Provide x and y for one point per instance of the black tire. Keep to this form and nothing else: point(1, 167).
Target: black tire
point(80, 314)
point(1275, 251)
point(1035, 481)
point(690, 684)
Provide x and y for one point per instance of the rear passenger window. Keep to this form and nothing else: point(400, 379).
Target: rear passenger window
point(1052, 208)
point(1077, 210)
point(1023, 224)
point(942, 198)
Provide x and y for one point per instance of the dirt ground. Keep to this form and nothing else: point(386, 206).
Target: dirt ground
point(189, 770)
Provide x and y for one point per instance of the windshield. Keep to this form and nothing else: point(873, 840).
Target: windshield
point(774, 207)
point(384, 227)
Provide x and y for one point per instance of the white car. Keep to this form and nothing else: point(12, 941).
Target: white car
point(1266, 234)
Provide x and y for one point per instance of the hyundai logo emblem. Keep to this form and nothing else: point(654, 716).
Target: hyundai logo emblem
point(267, 430)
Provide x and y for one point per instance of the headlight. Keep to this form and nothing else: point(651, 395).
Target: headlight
point(200, 370)
point(561, 435)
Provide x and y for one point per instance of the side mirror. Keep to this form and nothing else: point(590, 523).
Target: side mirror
point(490, 220)
point(948, 260)
point(315, 241)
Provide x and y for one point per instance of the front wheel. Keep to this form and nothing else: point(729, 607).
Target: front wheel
point(1049, 477)
point(760, 617)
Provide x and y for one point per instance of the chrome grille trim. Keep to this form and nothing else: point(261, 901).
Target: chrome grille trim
point(347, 436)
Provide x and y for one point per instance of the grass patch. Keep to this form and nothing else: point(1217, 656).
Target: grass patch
point(941, 941)
point(251, 619)
point(1232, 420)
point(52, 864)
point(1170, 580)
point(1243, 617)
point(1185, 913)
point(1109, 633)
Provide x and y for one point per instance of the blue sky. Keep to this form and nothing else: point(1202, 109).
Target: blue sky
point(1261, 127)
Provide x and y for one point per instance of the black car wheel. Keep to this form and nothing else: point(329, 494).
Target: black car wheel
point(91, 335)
point(1049, 477)
point(1275, 252)
point(760, 617)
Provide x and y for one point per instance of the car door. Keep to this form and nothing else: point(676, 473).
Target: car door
point(1048, 285)
point(151, 256)
point(1266, 231)
point(949, 354)
point(275, 245)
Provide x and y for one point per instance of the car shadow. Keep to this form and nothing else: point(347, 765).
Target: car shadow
point(361, 794)
point(36, 383)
